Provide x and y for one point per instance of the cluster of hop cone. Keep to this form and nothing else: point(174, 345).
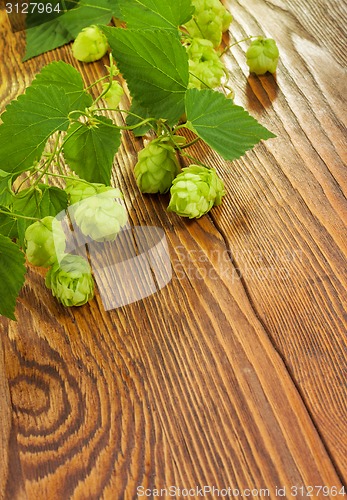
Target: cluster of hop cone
point(194, 190)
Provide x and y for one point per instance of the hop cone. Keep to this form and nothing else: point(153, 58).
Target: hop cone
point(79, 190)
point(100, 217)
point(262, 56)
point(205, 67)
point(43, 242)
point(195, 191)
point(210, 20)
point(157, 167)
point(71, 281)
point(114, 94)
point(90, 45)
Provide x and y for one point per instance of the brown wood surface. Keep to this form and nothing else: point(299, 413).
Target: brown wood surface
point(235, 373)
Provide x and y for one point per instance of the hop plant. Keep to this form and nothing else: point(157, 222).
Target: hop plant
point(262, 56)
point(209, 21)
point(90, 45)
point(113, 95)
point(195, 191)
point(205, 67)
point(71, 281)
point(157, 166)
point(78, 190)
point(44, 242)
point(100, 217)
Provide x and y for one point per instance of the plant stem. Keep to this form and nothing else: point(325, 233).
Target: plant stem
point(236, 43)
point(62, 176)
point(130, 127)
point(206, 85)
point(97, 81)
point(49, 161)
point(18, 216)
point(184, 125)
point(189, 143)
point(110, 75)
point(26, 179)
point(67, 138)
point(77, 111)
point(195, 160)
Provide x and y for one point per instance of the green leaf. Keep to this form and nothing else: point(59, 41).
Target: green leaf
point(89, 150)
point(28, 123)
point(12, 272)
point(38, 203)
point(155, 65)
point(6, 194)
point(22, 224)
point(8, 225)
point(41, 201)
point(115, 6)
point(54, 200)
point(227, 128)
point(166, 14)
point(59, 30)
point(35, 17)
point(69, 80)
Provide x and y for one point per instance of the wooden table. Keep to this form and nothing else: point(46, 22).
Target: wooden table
point(234, 375)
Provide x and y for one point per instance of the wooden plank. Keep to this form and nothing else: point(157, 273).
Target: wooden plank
point(186, 386)
point(5, 419)
point(10, 466)
point(180, 388)
point(285, 224)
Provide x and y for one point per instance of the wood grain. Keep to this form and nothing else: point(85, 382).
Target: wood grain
point(5, 419)
point(235, 373)
point(123, 399)
point(288, 236)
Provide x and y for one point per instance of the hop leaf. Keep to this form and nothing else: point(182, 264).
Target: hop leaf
point(89, 148)
point(12, 272)
point(195, 191)
point(157, 167)
point(100, 217)
point(262, 56)
point(206, 68)
point(155, 66)
point(71, 281)
point(227, 128)
point(90, 45)
point(44, 242)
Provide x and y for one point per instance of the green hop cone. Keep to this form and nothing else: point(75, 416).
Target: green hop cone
point(209, 21)
point(71, 281)
point(205, 67)
point(44, 242)
point(262, 56)
point(114, 95)
point(100, 217)
point(157, 166)
point(195, 191)
point(90, 45)
point(79, 190)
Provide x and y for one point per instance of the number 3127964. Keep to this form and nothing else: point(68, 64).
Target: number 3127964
point(30, 8)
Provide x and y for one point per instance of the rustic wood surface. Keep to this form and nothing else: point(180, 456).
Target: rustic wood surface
point(234, 374)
